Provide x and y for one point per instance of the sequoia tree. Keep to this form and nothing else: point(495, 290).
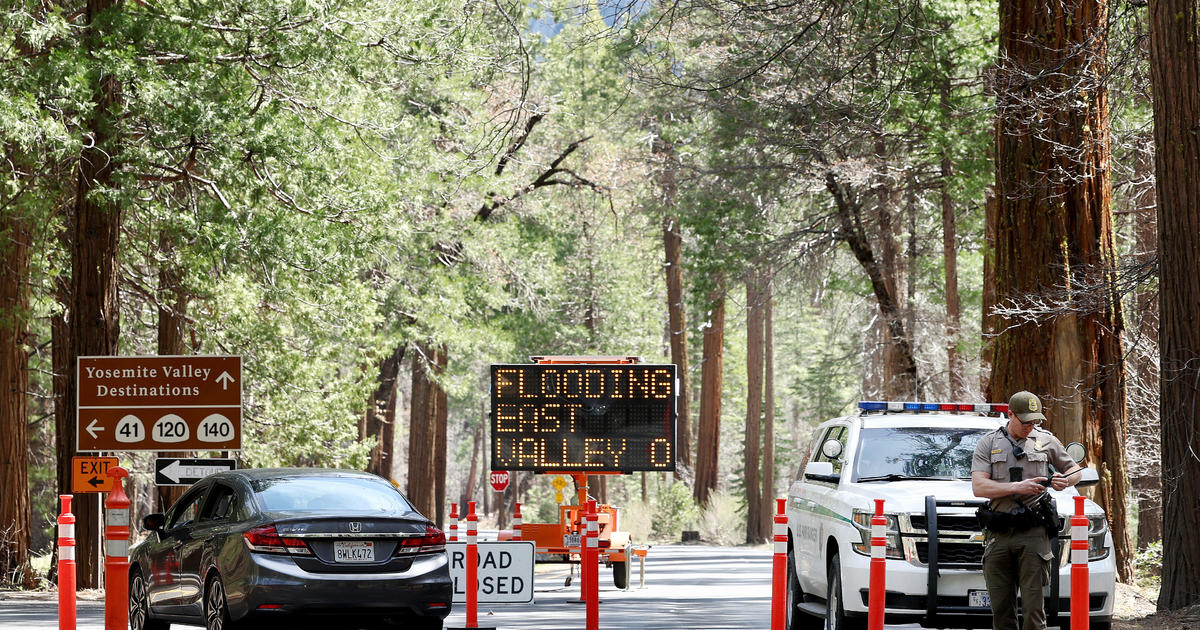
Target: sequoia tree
point(1175, 53)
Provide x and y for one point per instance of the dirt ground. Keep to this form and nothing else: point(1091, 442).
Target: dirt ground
point(1135, 610)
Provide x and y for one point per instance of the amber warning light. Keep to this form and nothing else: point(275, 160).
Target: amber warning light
point(586, 417)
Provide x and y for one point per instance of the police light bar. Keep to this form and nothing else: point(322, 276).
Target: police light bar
point(891, 405)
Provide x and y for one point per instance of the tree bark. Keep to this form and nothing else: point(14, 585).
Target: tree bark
point(988, 300)
point(753, 438)
point(172, 322)
point(768, 453)
point(440, 428)
point(1056, 262)
point(420, 488)
point(957, 385)
point(1175, 75)
point(708, 445)
point(16, 517)
point(379, 420)
point(95, 269)
point(676, 309)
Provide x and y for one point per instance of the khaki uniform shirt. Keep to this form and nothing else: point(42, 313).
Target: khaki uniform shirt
point(994, 455)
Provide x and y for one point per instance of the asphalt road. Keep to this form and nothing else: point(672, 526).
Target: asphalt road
point(687, 588)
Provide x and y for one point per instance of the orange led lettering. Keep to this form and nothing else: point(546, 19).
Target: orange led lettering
point(592, 448)
point(506, 412)
point(593, 384)
point(660, 453)
point(616, 454)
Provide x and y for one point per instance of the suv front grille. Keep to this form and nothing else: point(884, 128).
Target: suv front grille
point(952, 553)
point(946, 522)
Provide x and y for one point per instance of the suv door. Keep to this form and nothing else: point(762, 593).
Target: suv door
point(818, 498)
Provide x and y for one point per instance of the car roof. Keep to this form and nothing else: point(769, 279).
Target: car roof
point(256, 474)
point(930, 420)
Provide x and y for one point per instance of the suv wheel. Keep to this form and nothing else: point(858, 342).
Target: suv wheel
point(835, 611)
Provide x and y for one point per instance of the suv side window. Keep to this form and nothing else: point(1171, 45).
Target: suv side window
point(835, 433)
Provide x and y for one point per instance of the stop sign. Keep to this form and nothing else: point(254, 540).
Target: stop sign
point(499, 480)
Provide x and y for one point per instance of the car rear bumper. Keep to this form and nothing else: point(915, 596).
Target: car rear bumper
point(907, 585)
point(275, 586)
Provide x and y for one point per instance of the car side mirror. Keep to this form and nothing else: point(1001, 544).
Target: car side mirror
point(1088, 477)
point(831, 449)
point(820, 471)
point(1077, 452)
point(154, 522)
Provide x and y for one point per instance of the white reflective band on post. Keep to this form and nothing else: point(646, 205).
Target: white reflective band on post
point(66, 552)
point(592, 541)
point(1079, 532)
point(471, 538)
point(593, 526)
point(66, 530)
point(116, 548)
point(780, 529)
point(877, 551)
point(1079, 556)
point(781, 546)
point(117, 518)
point(878, 531)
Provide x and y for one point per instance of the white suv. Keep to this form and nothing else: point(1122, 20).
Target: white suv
point(917, 458)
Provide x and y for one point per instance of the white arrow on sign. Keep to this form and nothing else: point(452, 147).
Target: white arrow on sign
point(92, 429)
point(176, 470)
point(225, 379)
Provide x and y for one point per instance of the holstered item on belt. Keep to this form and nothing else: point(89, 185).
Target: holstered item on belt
point(1017, 519)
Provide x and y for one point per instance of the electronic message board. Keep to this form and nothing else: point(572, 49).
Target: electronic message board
point(583, 417)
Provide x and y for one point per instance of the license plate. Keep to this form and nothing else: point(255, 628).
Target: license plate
point(979, 599)
point(570, 540)
point(344, 551)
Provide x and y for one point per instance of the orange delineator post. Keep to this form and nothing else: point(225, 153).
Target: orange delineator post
point(517, 521)
point(116, 553)
point(472, 561)
point(66, 565)
point(779, 575)
point(876, 599)
point(453, 522)
point(1079, 568)
point(591, 565)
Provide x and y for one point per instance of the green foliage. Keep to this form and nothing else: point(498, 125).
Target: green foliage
point(1147, 566)
point(674, 511)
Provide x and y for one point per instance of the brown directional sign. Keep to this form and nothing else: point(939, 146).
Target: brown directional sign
point(160, 403)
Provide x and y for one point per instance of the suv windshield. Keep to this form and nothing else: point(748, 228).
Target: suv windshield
point(915, 452)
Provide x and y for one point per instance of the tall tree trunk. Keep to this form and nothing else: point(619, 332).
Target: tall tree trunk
point(988, 320)
point(172, 323)
point(15, 512)
point(422, 445)
point(476, 445)
point(1055, 263)
point(753, 439)
point(1175, 74)
point(440, 429)
point(1144, 415)
point(901, 380)
point(677, 322)
point(956, 383)
point(379, 420)
point(768, 453)
point(708, 445)
point(95, 270)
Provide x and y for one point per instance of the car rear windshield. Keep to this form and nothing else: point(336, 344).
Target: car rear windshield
point(329, 494)
point(923, 452)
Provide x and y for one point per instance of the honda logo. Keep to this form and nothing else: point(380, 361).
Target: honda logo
point(355, 527)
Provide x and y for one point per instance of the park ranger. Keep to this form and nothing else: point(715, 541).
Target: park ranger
point(1011, 468)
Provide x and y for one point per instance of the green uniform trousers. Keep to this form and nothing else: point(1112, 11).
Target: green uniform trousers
point(1017, 559)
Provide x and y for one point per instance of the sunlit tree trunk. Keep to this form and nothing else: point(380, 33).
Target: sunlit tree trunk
point(1055, 254)
point(753, 435)
point(15, 511)
point(172, 322)
point(421, 488)
point(380, 419)
point(708, 445)
point(768, 458)
point(676, 309)
point(1175, 74)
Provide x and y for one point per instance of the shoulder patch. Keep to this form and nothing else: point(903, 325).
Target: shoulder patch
point(997, 450)
point(1040, 445)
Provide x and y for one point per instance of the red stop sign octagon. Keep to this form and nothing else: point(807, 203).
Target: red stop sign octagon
point(499, 480)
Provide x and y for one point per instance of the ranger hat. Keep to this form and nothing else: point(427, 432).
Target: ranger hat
point(1026, 407)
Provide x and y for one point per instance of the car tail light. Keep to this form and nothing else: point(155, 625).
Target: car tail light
point(433, 540)
point(265, 539)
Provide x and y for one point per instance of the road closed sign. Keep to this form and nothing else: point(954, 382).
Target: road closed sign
point(505, 571)
point(159, 403)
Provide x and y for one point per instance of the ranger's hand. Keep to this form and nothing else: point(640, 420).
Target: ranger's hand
point(1058, 482)
point(1029, 486)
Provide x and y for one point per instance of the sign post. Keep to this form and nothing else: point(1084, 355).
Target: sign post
point(159, 403)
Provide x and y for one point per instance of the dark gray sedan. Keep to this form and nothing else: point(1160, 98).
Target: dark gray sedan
point(341, 548)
